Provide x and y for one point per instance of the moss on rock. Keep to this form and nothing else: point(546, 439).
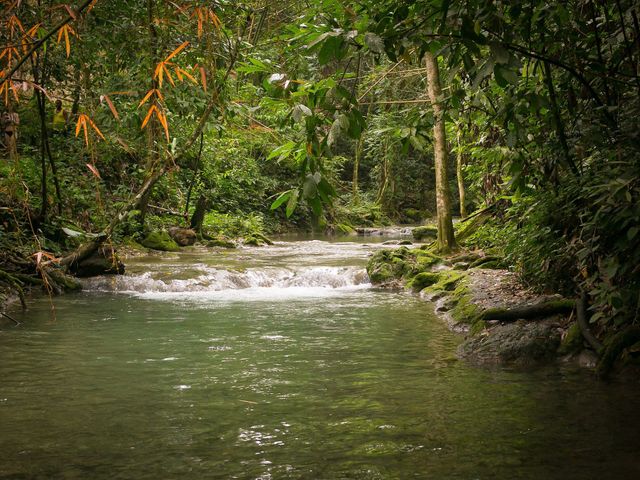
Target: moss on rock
point(220, 242)
point(160, 241)
point(423, 280)
point(427, 232)
point(572, 342)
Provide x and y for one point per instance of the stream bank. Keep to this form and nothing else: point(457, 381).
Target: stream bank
point(503, 322)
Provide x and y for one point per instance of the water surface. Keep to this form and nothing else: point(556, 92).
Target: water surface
point(283, 362)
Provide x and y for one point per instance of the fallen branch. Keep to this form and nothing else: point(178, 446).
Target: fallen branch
point(544, 309)
point(10, 318)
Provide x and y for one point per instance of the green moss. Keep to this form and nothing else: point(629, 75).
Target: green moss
point(427, 232)
point(160, 240)
point(447, 281)
point(478, 327)
point(422, 280)
point(572, 341)
point(220, 242)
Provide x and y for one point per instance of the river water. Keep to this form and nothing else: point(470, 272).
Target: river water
point(283, 362)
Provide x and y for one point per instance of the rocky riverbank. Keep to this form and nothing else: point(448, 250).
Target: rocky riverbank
point(503, 322)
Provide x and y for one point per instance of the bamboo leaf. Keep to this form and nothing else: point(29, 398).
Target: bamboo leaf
point(94, 170)
point(152, 108)
point(177, 51)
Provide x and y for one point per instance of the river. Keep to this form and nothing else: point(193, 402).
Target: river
point(283, 362)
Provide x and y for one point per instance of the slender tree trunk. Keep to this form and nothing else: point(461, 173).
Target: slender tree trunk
point(446, 238)
point(459, 164)
point(558, 119)
point(356, 168)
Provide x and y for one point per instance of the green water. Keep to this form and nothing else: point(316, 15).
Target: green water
point(312, 382)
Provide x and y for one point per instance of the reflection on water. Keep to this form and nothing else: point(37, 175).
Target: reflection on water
point(353, 383)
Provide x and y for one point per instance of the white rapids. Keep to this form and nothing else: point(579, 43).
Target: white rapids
point(283, 271)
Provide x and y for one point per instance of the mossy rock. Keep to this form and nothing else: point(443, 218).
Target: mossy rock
point(447, 281)
point(405, 242)
point(257, 240)
point(573, 341)
point(160, 241)
point(427, 232)
point(220, 242)
point(387, 265)
point(345, 229)
point(422, 280)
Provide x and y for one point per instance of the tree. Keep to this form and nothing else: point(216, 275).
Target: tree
point(446, 239)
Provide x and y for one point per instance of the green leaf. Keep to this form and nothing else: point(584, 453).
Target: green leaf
point(281, 199)
point(283, 151)
point(316, 205)
point(632, 232)
point(293, 202)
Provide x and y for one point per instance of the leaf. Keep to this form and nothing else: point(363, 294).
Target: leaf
point(94, 170)
point(283, 151)
point(203, 78)
point(316, 206)
point(300, 112)
point(632, 232)
point(111, 106)
point(283, 197)
point(176, 51)
point(152, 108)
point(293, 202)
point(146, 97)
point(93, 125)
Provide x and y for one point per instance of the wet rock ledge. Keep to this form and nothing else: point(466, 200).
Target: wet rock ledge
point(503, 322)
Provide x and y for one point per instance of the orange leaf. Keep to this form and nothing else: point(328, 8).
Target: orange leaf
point(163, 122)
point(176, 51)
point(71, 13)
point(203, 77)
point(215, 20)
point(94, 170)
point(146, 119)
point(81, 121)
point(93, 125)
point(111, 106)
point(146, 97)
point(186, 74)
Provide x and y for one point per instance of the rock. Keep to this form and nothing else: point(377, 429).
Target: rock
point(461, 266)
point(522, 344)
point(103, 261)
point(183, 236)
point(572, 340)
point(160, 241)
point(587, 359)
point(220, 242)
point(391, 242)
point(257, 240)
point(422, 280)
point(405, 242)
point(427, 232)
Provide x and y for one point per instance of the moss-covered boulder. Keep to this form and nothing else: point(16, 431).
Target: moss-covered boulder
point(427, 232)
point(400, 265)
point(103, 261)
point(257, 240)
point(160, 240)
point(220, 242)
point(423, 280)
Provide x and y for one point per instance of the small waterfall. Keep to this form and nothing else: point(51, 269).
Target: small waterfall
point(263, 283)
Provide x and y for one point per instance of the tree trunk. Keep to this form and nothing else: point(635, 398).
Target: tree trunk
point(356, 168)
point(459, 163)
point(198, 214)
point(446, 239)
